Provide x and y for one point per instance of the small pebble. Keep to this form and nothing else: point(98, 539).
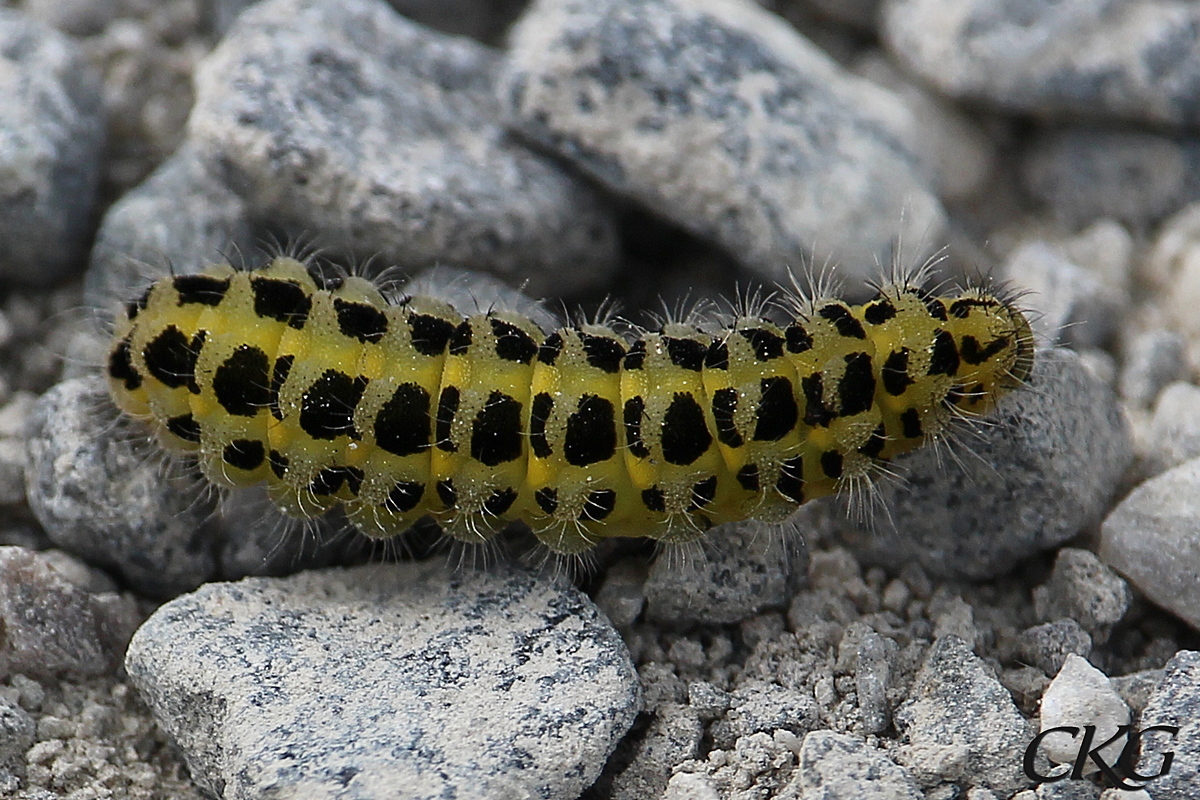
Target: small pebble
point(1051, 59)
point(1049, 645)
point(1082, 695)
point(622, 596)
point(17, 733)
point(745, 568)
point(872, 679)
point(31, 693)
point(1137, 687)
point(959, 155)
point(1153, 538)
point(674, 736)
point(51, 626)
point(1083, 589)
point(1135, 176)
point(1175, 426)
point(707, 700)
point(954, 617)
point(1105, 248)
point(836, 766)
point(956, 702)
point(79, 573)
point(1026, 684)
point(761, 707)
point(50, 154)
point(1152, 360)
point(1072, 305)
point(86, 18)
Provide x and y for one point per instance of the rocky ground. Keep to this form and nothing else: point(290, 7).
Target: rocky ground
point(1040, 572)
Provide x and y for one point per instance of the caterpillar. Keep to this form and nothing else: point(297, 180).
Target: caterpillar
point(400, 407)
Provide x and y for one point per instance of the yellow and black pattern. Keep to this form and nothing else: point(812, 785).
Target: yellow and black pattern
point(333, 394)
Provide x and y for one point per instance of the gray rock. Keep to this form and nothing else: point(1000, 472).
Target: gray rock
point(17, 733)
point(1135, 60)
point(1175, 426)
point(820, 617)
point(225, 12)
point(1026, 685)
point(708, 701)
point(744, 568)
point(957, 152)
point(836, 766)
point(958, 709)
point(1175, 703)
point(848, 648)
point(1105, 249)
point(872, 678)
point(77, 18)
point(621, 597)
point(757, 766)
point(82, 575)
point(14, 414)
point(1152, 359)
point(1072, 305)
point(983, 793)
point(947, 791)
point(1082, 588)
point(12, 472)
point(1173, 261)
point(953, 615)
point(1081, 695)
point(692, 786)
point(1172, 269)
point(51, 626)
point(352, 683)
point(1138, 177)
point(1101, 364)
point(346, 121)
point(100, 491)
point(673, 736)
point(1048, 645)
point(1136, 688)
point(179, 220)
point(1153, 538)
point(719, 116)
point(761, 707)
point(1044, 469)
point(1075, 790)
point(53, 136)
point(104, 491)
point(836, 570)
point(660, 686)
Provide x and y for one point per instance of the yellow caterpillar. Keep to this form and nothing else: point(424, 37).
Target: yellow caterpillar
point(333, 394)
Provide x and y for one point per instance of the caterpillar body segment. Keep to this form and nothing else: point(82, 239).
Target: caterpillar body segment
point(336, 395)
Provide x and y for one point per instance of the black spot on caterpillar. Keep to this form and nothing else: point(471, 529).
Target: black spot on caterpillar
point(400, 408)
